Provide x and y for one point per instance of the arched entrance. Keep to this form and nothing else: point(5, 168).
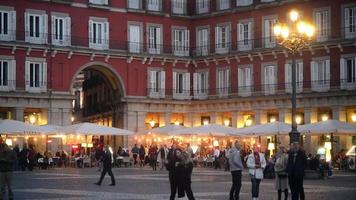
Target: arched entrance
point(98, 91)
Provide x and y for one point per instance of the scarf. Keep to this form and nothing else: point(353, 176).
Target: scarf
point(256, 155)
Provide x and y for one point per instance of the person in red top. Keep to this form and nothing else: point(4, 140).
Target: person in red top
point(152, 153)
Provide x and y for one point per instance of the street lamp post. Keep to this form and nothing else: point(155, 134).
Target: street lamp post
point(294, 37)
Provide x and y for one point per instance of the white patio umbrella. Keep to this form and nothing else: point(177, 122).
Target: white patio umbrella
point(94, 129)
point(52, 129)
point(9, 127)
point(273, 128)
point(329, 126)
point(166, 129)
point(210, 129)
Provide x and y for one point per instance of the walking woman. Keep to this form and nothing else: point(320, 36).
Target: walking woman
point(256, 162)
point(142, 153)
point(152, 153)
point(184, 169)
point(280, 168)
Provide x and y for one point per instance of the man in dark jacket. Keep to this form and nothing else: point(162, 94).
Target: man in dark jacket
point(297, 161)
point(172, 159)
point(7, 160)
point(107, 166)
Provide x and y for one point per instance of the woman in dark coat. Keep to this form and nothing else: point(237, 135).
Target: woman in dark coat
point(183, 170)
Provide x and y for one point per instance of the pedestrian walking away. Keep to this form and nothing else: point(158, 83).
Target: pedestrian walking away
point(7, 160)
point(280, 168)
point(107, 166)
point(236, 168)
point(183, 174)
point(256, 162)
point(171, 163)
point(297, 161)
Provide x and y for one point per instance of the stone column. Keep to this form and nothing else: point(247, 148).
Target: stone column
point(188, 119)
point(234, 119)
point(339, 113)
point(282, 114)
point(167, 118)
point(196, 119)
point(213, 117)
point(19, 114)
point(240, 120)
point(260, 117)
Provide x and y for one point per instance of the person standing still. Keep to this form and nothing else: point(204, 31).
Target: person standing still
point(183, 171)
point(297, 161)
point(107, 167)
point(172, 159)
point(256, 162)
point(281, 174)
point(7, 160)
point(236, 168)
point(142, 154)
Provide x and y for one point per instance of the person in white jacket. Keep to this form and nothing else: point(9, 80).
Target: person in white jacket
point(256, 162)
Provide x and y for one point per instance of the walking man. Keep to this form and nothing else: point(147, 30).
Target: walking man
point(297, 161)
point(236, 167)
point(7, 161)
point(171, 165)
point(107, 166)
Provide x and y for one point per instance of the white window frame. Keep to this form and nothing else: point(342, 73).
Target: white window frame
point(224, 4)
point(269, 40)
point(201, 87)
point(320, 82)
point(322, 19)
point(245, 80)
point(288, 76)
point(244, 2)
point(99, 2)
point(184, 92)
point(245, 38)
point(349, 31)
point(179, 7)
point(156, 83)
point(10, 83)
point(269, 78)
point(134, 4)
point(66, 29)
point(266, 1)
point(42, 80)
point(344, 82)
point(8, 34)
point(154, 38)
point(154, 5)
point(202, 6)
point(42, 27)
point(223, 82)
point(180, 45)
point(95, 41)
point(222, 40)
point(202, 41)
point(135, 41)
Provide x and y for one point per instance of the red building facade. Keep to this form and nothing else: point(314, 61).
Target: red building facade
point(175, 61)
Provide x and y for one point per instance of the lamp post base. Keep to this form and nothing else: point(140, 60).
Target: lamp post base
point(294, 136)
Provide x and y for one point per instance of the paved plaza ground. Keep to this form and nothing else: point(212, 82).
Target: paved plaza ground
point(145, 184)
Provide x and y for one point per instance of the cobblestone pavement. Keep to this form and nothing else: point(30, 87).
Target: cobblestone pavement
point(145, 184)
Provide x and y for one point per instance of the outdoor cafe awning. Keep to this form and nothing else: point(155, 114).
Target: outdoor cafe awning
point(205, 130)
point(329, 126)
point(94, 129)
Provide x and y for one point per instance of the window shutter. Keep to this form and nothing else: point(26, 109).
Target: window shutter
point(347, 21)
point(195, 84)
point(217, 37)
point(187, 84)
point(241, 33)
point(27, 75)
point(265, 76)
point(318, 23)
point(248, 77)
point(342, 73)
point(240, 77)
point(153, 79)
point(27, 27)
point(13, 21)
point(44, 32)
point(174, 82)
point(43, 76)
point(91, 32)
point(327, 71)
point(53, 33)
point(227, 83)
point(12, 75)
point(163, 84)
point(250, 34)
point(267, 32)
point(314, 72)
point(288, 74)
point(325, 24)
point(187, 42)
point(106, 35)
point(158, 39)
point(68, 27)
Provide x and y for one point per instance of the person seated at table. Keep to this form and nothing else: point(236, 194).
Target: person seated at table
point(63, 158)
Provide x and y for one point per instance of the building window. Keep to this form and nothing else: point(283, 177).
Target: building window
point(321, 19)
point(7, 25)
point(99, 2)
point(61, 30)
point(350, 22)
point(134, 4)
point(245, 81)
point(156, 84)
point(202, 42)
point(269, 38)
point(181, 85)
point(224, 4)
point(265, 1)
point(202, 6)
point(244, 2)
point(134, 38)
point(223, 82)
point(7, 75)
point(181, 42)
point(178, 6)
point(348, 73)
point(36, 76)
point(245, 36)
point(200, 85)
point(320, 74)
point(222, 39)
point(270, 79)
point(98, 34)
point(288, 76)
point(36, 28)
point(154, 39)
point(154, 5)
